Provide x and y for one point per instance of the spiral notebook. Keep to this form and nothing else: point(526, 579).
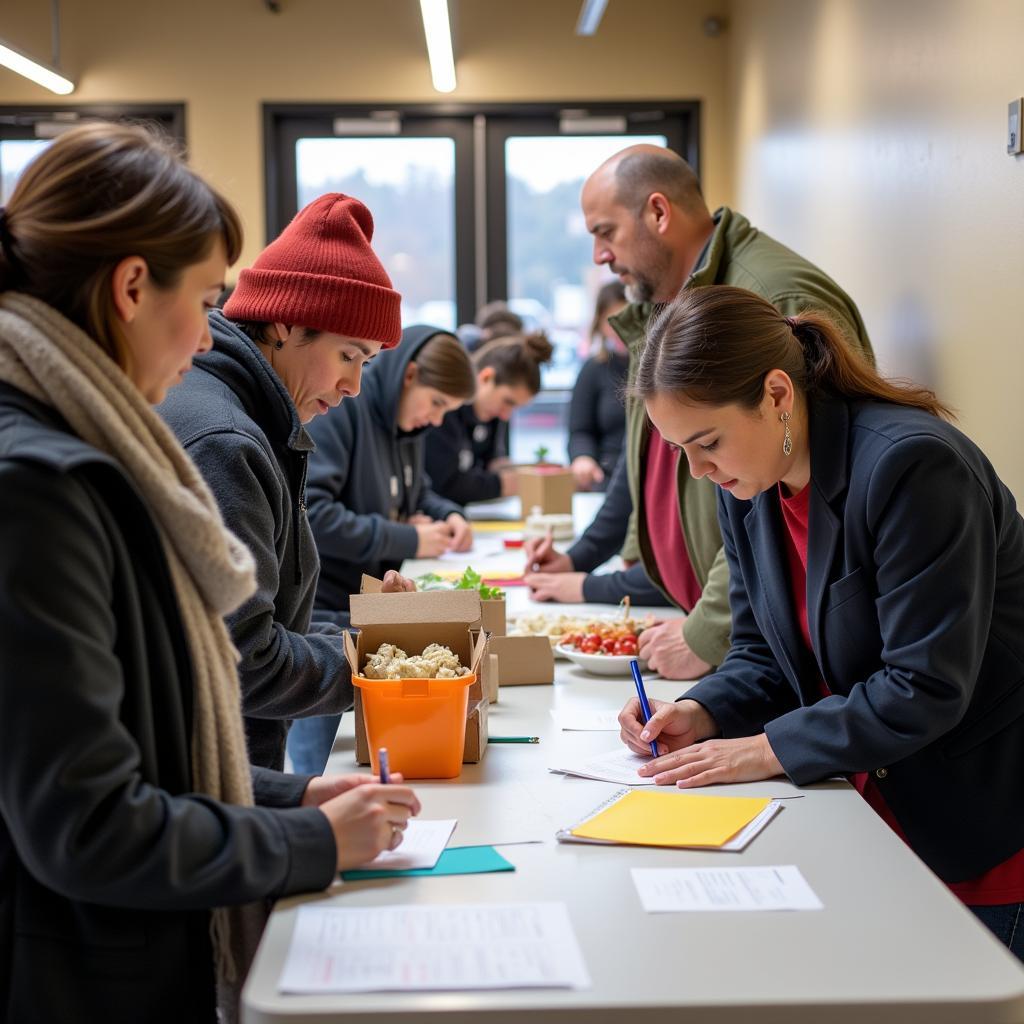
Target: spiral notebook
point(634, 817)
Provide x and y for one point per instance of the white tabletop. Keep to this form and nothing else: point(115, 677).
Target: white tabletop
point(891, 944)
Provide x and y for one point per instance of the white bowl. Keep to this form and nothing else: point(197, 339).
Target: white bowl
point(599, 664)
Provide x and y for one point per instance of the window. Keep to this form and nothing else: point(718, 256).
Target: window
point(475, 204)
point(28, 130)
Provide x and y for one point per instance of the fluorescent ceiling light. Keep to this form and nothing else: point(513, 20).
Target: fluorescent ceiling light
point(590, 17)
point(38, 73)
point(438, 30)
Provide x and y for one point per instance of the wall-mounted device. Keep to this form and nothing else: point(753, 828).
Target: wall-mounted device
point(1014, 124)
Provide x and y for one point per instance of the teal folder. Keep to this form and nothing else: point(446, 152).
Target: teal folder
point(456, 860)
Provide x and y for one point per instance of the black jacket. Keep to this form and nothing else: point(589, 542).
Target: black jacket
point(458, 453)
point(602, 539)
point(915, 602)
point(238, 423)
point(109, 862)
point(597, 417)
point(366, 478)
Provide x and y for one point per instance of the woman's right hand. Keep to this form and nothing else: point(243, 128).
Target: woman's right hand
point(673, 725)
point(586, 472)
point(433, 539)
point(368, 820)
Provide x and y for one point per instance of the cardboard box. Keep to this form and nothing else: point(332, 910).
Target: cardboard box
point(413, 622)
point(492, 617)
point(489, 676)
point(523, 660)
point(549, 488)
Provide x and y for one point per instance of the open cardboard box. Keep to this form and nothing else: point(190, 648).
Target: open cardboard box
point(413, 622)
point(492, 617)
point(549, 488)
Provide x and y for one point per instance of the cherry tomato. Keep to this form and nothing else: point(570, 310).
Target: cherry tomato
point(608, 645)
point(627, 646)
point(590, 646)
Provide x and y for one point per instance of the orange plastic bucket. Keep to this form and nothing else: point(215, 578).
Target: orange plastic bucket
point(422, 722)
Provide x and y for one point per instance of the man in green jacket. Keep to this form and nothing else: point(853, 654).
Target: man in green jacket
point(651, 226)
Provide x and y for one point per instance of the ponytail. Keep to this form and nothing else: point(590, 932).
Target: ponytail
point(830, 364)
point(516, 359)
point(715, 345)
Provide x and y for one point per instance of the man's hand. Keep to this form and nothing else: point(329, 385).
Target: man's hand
point(541, 556)
point(563, 587)
point(666, 651)
point(432, 539)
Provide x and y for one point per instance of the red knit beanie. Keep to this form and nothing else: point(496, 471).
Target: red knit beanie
point(321, 273)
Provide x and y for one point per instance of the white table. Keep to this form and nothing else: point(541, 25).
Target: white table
point(891, 945)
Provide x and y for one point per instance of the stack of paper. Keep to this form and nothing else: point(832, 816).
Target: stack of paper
point(674, 819)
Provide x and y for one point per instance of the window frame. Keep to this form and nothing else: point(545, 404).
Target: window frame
point(18, 121)
point(480, 131)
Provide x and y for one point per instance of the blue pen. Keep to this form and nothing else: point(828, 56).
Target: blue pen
point(645, 708)
point(382, 760)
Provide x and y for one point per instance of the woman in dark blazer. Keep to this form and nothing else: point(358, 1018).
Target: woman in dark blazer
point(877, 591)
point(137, 849)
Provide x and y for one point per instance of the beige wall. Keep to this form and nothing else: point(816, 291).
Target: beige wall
point(869, 135)
point(223, 58)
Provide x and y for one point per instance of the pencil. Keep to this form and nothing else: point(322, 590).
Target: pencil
point(513, 739)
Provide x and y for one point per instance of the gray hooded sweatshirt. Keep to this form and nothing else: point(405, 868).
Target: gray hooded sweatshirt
point(240, 426)
point(366, 478)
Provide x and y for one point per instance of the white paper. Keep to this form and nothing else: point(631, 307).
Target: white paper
point(619, 766)
point(483, 547)
point(586, 719)
point(421, 846)
point(433, 948)
point(663, 890)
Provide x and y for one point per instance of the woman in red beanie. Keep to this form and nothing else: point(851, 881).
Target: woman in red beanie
point(290, 343)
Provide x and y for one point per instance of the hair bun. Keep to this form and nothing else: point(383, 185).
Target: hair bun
point(538, 346)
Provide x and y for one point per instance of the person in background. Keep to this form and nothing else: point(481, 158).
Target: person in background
point(138, 849)
point(290, 343)
point(370, 503)
point(652, 227)
point(597, 419)
point(877, 566)
point(493, 320)
point(467, 456)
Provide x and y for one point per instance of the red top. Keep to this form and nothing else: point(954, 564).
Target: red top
point(661, 507)
point(1002, 884)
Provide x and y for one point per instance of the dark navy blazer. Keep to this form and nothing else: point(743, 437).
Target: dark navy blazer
point(915, 601)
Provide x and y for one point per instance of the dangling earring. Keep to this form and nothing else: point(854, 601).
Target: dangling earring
point(787, 438)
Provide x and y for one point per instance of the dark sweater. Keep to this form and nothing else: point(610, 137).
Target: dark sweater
point(366, 478)
point(601, 540)
point(237, 421)
point(597, 419)
point(458, 453)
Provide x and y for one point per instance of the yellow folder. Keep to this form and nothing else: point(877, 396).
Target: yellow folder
point(646, 818)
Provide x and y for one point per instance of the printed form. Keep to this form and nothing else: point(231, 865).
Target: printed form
point(663, 890)
point(411, 948)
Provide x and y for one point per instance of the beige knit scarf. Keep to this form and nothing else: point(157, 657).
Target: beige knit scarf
point(45, 355)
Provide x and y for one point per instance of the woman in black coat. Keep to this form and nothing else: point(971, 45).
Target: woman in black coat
point(137, 851)
point(877, 594)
